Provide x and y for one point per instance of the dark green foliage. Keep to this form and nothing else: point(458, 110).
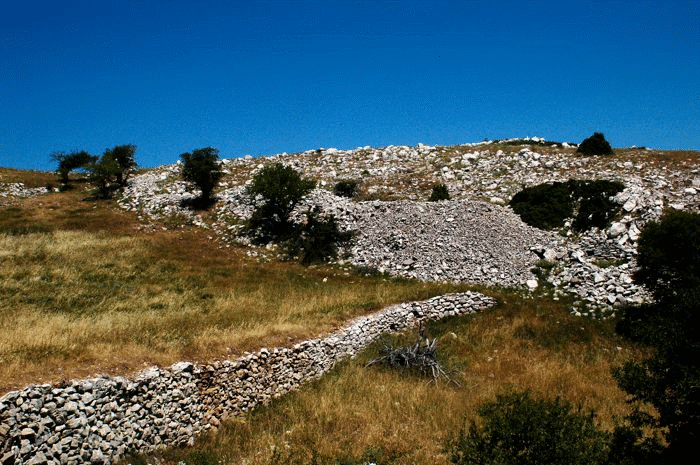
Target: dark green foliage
point(103, 176)
point(669, 254)
point(202, 168)
point(280, 188)
point(346, 188)
point(545, 206)
point(440, 192)
point(123, 156)
point(112, 170)
point(520, 430)
point(595, 209)
point(318, 239)
point(670, 380)
point(548, 206)
point(68, 162)
point(595, 145)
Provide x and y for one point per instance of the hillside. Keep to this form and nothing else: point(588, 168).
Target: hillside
point(108, 287)
point(472, 238)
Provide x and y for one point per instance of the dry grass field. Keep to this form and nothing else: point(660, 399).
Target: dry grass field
point(358, 414)
point(86, 290)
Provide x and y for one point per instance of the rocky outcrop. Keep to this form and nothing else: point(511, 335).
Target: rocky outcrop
point(472, 238)
point(98, 420)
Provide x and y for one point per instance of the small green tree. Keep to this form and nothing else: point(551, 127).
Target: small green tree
point(439, 192)
point(103, 174)
point(123, 156)
point(202, 168)
point(279, 188)
point(112, 170)
point(669, 254)
point(318, 239)
point(346, 188)
point(520, 430)
point(595, 145)
point(68, 162)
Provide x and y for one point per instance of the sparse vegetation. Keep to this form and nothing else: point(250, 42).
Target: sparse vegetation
point(102, 297)
point(518, 429)
point(346, 188)
point(111, 172)
point(280, 189)
point(202, 168)
point(439, 192)
point(400, 419)
point(68, 162)
point(595, 145)
point(548, 206)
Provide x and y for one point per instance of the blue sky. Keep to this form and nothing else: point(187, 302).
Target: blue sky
point(264, 77)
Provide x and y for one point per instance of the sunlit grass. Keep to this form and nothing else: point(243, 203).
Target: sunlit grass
point(355, 413)
point(77, 303)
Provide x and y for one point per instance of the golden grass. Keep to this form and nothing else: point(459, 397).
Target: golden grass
point(355, 411)
point(88, 294)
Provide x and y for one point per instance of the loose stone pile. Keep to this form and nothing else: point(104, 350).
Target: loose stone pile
point(98, 420)
point(472, 238)
point(18, 189)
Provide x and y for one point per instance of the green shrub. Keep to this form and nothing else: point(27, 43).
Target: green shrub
point(202, 168)
point(111, 172)
point(318, 239)
point(103, 175)
point(548, 206)
point(595, 209)
point(595, 145)
point(68, 162)
point(281, 189)
point(346, 188)
point(123, 156)
point(520, 430)
point(545, 206)
point(440, 192)
point(669, 254)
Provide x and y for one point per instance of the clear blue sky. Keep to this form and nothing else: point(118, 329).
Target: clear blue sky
point(263, 77)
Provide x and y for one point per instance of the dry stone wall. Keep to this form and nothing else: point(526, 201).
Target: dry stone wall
point(99, 420)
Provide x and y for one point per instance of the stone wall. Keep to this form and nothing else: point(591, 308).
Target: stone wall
point(99, 420)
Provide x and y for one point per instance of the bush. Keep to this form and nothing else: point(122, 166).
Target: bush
point(318, 239)
point(103, 175)
point(595, 209)
point(548, 206)
point(68, 162)
point(281, 189)
point(545, 206)
point(440, 192)
point(123, 156)
point(520, 430)
point(346, 188)
point(669, 254)
point(595, 145)
point(202, 168)
point(112, 170)
point(669, 380)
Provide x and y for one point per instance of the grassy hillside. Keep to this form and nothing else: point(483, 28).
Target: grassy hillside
point(357, 415)
point(85, 290)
